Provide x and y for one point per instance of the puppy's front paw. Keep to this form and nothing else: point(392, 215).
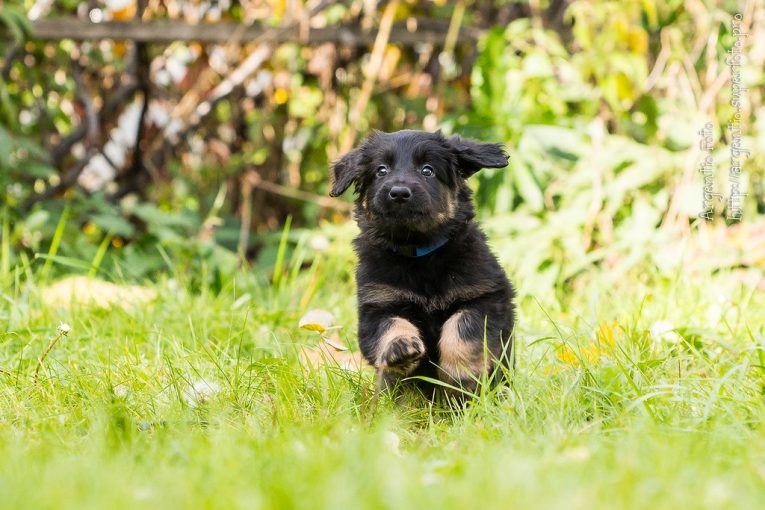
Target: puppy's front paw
point(402, 354)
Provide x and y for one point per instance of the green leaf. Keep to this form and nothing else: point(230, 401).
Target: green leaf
point(558, 141)
point(39, 170)
point(528, 188)
point(115, 224)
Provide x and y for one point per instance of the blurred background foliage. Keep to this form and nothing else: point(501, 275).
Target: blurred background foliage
point(131, 158)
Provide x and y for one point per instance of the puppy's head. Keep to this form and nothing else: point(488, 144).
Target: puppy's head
point(412, 183)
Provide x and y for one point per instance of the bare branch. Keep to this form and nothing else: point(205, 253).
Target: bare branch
point(372, 71)
point(13, 52)
point(327, 202)
point(112, 105)
point(92, 122)
point(67, 181)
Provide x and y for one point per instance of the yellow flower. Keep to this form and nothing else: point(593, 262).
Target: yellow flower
point(606, 333)
point(89, 229)
point(591, 354)
point(281, 95)
point(566, 355)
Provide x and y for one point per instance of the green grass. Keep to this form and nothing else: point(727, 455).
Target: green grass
point(643, 423)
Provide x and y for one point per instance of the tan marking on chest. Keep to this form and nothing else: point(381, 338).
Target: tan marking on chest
point(381, 293)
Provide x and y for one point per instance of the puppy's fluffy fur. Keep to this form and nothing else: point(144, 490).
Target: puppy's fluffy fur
point(431, 294)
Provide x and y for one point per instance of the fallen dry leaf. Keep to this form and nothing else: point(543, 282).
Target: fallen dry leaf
point(317, 320)
point(334, 341)
point(321, 321)
point(92, 291)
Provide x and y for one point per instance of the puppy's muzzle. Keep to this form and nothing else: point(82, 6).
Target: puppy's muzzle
point(400, 194)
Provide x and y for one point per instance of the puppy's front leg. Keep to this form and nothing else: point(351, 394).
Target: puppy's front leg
point(390, 342)
point(462, 356)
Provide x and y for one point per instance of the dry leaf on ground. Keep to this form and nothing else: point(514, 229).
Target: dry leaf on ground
point(317, 320)
point(334, 342)
point(321, 321)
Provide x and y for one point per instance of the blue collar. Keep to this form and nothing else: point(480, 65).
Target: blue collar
point(412, 251)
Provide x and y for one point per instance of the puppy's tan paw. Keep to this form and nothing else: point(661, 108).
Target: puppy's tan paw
point(402, 354)
point(400, 347)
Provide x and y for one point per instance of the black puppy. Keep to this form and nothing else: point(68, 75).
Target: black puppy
point(431, 294)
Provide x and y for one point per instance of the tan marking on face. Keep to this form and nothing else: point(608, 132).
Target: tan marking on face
point(461, 359)
point(398, 328)
point(451, 209)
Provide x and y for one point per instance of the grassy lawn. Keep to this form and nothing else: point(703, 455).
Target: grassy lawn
point(643, 391)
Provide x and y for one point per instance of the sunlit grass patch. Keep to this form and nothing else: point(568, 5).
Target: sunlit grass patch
point(202, 399)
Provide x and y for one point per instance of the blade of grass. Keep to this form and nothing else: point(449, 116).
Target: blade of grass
point(5, 247)
point(99, 256)
point(280, 254)
point(54, 245)
point(441, 383)
point(315, 280)
point(297, 259)
point(64, 261)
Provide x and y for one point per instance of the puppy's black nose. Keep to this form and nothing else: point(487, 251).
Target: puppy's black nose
point(400, 193)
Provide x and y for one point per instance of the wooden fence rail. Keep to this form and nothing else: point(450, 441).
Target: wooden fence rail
point(162, 31)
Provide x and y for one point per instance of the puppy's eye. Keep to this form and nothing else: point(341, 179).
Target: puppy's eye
point(427, 171)
point(382, 170)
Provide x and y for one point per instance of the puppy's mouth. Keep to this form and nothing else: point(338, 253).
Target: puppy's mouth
point(403, 222)
point(410, 211)
point(402, 213)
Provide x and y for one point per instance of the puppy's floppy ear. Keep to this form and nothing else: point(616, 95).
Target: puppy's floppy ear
point(473, 156)
point(345, 171)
